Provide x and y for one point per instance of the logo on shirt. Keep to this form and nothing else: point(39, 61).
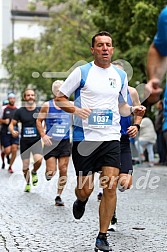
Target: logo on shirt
point(112, 82)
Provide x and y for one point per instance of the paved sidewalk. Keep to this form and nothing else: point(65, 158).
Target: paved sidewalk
point(29, 222)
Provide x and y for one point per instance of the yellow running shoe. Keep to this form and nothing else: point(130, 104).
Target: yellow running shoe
point(34, 178)
point(28, 188)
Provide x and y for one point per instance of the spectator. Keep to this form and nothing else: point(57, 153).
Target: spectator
point(146, 140)
point(158, 127)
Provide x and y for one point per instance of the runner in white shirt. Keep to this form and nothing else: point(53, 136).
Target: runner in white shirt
point(100, 91)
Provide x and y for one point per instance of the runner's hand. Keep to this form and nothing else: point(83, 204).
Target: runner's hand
point(46, 140)
point(153, 87)
point(15, 133)
point(82, 112)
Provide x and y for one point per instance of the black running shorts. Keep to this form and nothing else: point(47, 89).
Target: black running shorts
point(90, 156)
point(58, 149)
point(126, 157)
point(28, 146)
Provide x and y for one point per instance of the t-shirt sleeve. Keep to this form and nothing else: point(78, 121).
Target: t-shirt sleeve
point(16, 115)
point(123, 92)
point(160, 39)
point(71, 83)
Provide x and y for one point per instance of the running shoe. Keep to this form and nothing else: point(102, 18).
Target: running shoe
point(3, 166)
point(8, 159)
point(48, 177)
point(10, 170)
point(99, 196)
point(102, 244)
point(114, 219)
point(58, 201)
point(28, 188)
point(34, 178)
point(112, 226)
point(79, 208)
point(121, 188)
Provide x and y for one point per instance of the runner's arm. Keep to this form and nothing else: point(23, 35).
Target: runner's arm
point(135, 102)
point(62, 102)
point(126, 110)
point(11, 128)
point(41, 118)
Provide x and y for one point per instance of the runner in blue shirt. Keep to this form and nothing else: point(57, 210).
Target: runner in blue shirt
point(56, 138)
point(157, 58)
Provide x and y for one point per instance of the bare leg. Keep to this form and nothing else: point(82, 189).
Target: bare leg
point(63, 165)
point(26, 171)
point(51, 167)
point(37, 162)
point(125, 181)
point(108, 201)
point(14, 149)
point(85, 186)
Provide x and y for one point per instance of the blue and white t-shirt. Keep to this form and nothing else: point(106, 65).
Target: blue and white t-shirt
point(101, 91)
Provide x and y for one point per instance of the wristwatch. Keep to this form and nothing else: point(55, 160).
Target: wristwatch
point(131, 110)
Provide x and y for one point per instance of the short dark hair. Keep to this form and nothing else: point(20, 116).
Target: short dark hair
point(102, 33)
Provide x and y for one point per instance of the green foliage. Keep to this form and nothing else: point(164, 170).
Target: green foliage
point(132, 24)
point(66, 40)
point(21, 59)
point(68, 34)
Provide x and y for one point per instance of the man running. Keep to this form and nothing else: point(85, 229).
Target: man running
point(9, 143)
point(4, 104)
point(100, 95)
point(30, 141)
point(56, 138)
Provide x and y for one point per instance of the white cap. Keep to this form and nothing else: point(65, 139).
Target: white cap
point(11, 95)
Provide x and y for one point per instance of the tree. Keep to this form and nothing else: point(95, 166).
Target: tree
point(66, 40)
point(132, 24)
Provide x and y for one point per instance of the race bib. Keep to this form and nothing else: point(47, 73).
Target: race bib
point(59, 130)
point(100, 118)
point(60, 127)
point(29, 132)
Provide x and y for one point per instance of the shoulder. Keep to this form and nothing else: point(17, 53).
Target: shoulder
point(162, 19)
point(46, 104)
point(163, 13)
point(134, 96)
point(20, 110)
point(132, 90)
point(44, 107)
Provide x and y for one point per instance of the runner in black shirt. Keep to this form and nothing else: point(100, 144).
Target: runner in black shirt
point(30, 139)
point(9, 142)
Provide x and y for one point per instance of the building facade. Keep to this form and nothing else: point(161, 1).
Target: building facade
point(18, 20)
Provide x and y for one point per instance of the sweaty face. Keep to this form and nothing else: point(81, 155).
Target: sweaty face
point(29, 96)
point(102, 51)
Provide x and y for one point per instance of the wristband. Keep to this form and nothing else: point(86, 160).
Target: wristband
point(137, 125)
